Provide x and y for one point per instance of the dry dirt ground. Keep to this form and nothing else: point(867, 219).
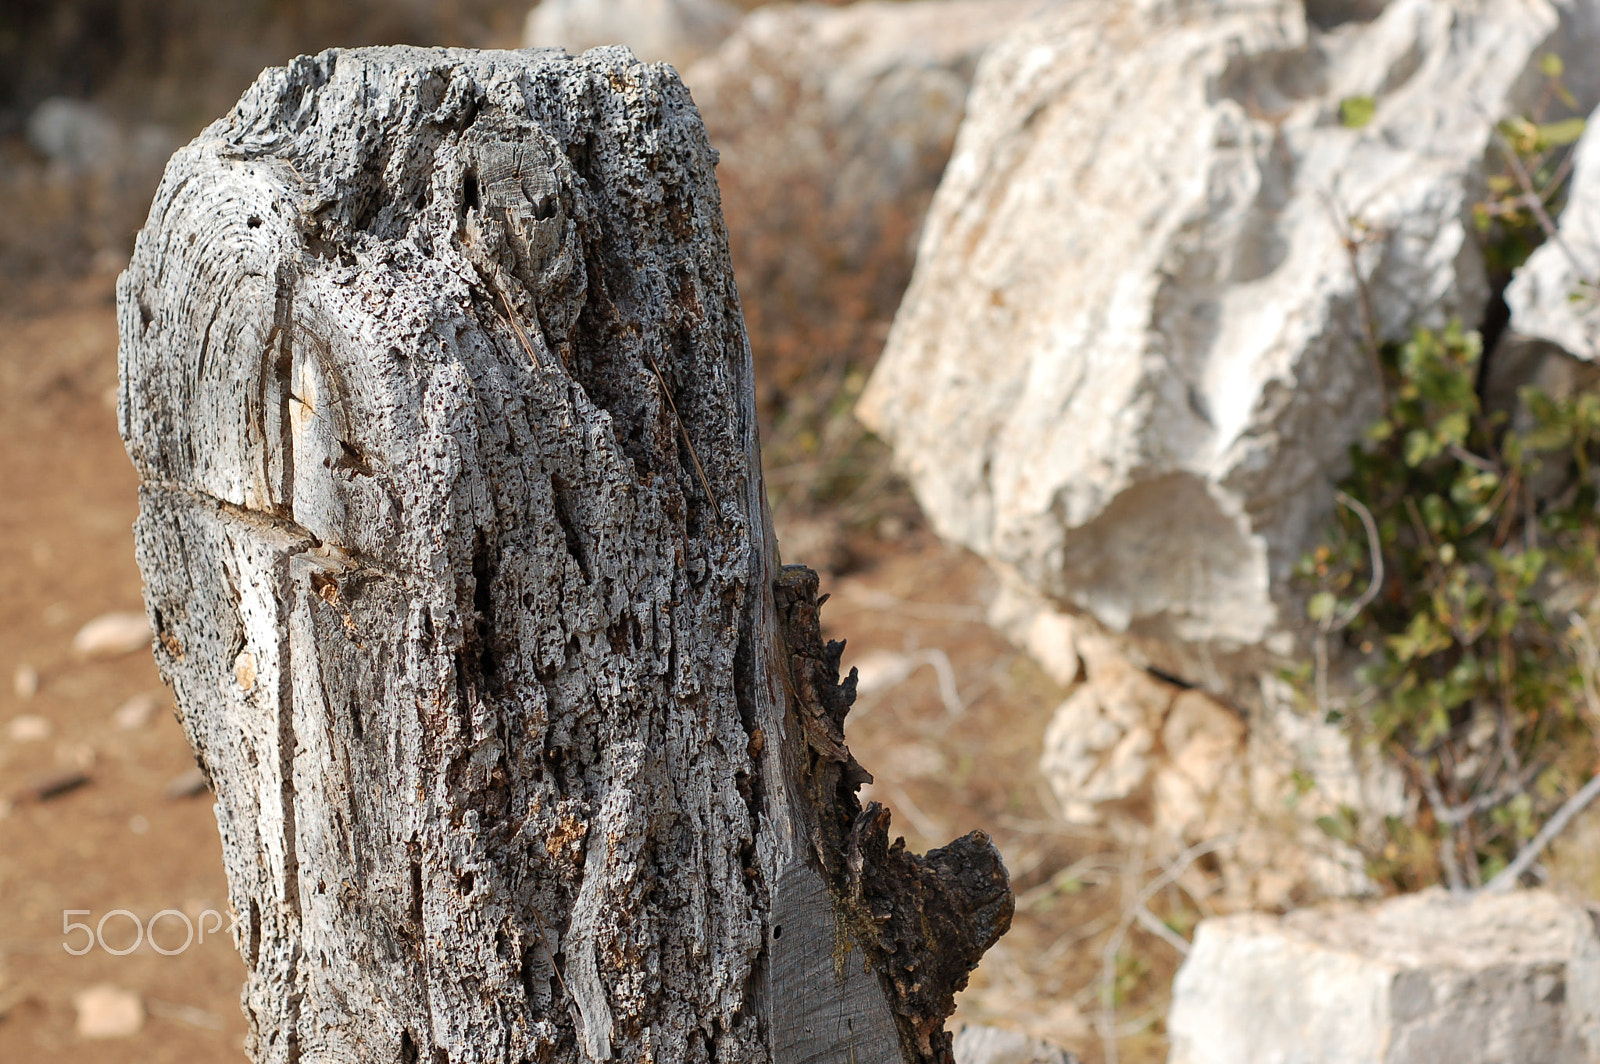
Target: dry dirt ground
point(948, 757)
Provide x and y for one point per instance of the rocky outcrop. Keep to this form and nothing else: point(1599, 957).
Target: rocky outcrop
point(834, 125)
point(976, 1044)
point(672, 31)
point(1132, 356)
point(1172, 767)
point(1486, 979)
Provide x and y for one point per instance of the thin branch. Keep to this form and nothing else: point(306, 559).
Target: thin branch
point(516, 327)
point(1534, 202)
point(1460, 814)
point(1442, 814)
point(949, 694)
point(1369, 327)
point(929, 828)
point(1130, 915)
point(1151, 923)
point(1374, 549)
point(1077, 871)
point(1329, 625)
point(1466, 457)
point(1553, 186)
point(1589, 665)
point(1512, 873)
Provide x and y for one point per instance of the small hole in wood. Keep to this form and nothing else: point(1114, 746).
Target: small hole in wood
point(254, 222)
point(777, 932)
point(469, 191)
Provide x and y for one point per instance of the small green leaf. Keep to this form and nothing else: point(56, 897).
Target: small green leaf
point(1551, 65)
point(1452, 428)
point(1434, 513)
point(1556, 437)
point(1559, 134)
point(1355, 112)
point(1523, 134)
point(1320, 608)
point(1335, 829)
point(1420, 446)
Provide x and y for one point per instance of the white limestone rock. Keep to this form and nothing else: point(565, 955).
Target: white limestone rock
point(1487, 979)
point(1098, 747)
point(1129, 364)
point(834, 125)
point(1168, 768)
point(671, 31)
point(1553, 297)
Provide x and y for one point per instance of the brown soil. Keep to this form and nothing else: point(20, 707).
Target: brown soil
point(66, 507)
point(67, 500)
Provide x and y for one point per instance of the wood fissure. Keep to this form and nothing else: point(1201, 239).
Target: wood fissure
point(455, 542)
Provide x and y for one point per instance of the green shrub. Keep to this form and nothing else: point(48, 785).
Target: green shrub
point(1473, 640)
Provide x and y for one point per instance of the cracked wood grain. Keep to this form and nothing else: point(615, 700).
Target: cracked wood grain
point(455, 545)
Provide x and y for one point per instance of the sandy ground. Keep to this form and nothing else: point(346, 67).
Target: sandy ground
point(117, 842)
point(947, 760)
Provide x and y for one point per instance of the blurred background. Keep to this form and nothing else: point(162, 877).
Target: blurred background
point(103, 819)
point(1210, 297)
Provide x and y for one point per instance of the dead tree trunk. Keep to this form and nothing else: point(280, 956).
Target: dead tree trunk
point(455, 544)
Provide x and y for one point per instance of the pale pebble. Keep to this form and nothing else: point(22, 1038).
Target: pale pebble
point(108, 1012)
point(136, 712)
point(28, 728)
point(112, 635)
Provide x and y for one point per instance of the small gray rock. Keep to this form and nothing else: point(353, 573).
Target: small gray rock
point(1428, 977)
point(977, 1044)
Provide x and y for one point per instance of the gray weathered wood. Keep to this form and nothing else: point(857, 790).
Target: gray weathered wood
point(456, 549)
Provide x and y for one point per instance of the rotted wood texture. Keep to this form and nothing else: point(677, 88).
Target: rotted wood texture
point(456, 550)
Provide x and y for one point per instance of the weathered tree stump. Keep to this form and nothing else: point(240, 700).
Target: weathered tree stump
point(455, 545)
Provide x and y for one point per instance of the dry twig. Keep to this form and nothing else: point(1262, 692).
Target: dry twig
point(1130, 916)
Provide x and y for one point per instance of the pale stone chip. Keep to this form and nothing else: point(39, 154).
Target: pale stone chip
point(108, 1012)
point(111, 635)
point(28, 728)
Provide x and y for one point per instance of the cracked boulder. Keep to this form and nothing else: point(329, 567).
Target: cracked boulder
point(1132, 357)
point(834, 125)
point(1168, 767)
point(1510, 978)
